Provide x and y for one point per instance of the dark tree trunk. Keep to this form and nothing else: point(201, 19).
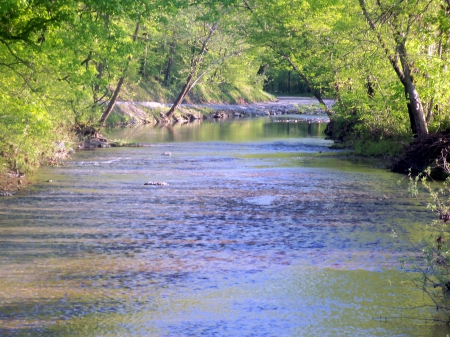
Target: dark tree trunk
point(96, 88)
point(289, 82)
point(370, 88)
point(168, 71)
point(412, 120)
point(262, 69)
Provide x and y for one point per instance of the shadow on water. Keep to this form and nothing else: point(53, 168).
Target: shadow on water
point(258, 232)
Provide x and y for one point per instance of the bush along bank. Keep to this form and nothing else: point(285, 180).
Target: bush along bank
point(430, 153)
point(405, 154)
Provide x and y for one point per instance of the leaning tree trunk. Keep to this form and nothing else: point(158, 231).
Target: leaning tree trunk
point(112, 101)
point(315, 92)
point(195, 64)
point(399, 61)
point(191, 82)
point(416, 108)
point(187, 87)
point(262, 68)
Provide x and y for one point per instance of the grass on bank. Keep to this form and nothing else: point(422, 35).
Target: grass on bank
point(153, 91)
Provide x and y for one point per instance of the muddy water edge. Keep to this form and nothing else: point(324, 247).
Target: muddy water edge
point(260, 230)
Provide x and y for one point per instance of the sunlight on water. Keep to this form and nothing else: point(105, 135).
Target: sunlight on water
point(257, 233)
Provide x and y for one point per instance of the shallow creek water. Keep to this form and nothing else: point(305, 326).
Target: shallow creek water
point(261, 231)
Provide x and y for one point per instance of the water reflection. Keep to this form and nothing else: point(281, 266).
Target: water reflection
point(235, 130)
point(256, 234)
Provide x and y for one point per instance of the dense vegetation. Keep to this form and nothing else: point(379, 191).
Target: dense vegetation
point(385, 63)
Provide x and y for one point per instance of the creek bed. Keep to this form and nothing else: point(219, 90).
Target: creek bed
point(260, 230)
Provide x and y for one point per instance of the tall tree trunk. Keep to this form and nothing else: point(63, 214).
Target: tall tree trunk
point(415, 107)
point(430, 110)
point(112, 101)
point(100, 67)
point(402, 68)
point(337, 90)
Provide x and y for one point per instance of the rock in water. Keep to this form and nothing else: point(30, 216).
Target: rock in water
point(156, 183)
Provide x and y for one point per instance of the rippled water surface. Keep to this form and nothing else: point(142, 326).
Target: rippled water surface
point(261, 231)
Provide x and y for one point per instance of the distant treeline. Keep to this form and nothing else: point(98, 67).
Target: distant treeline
point(64, 63)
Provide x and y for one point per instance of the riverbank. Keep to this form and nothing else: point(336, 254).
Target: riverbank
point(10, 182)
point(138, 113)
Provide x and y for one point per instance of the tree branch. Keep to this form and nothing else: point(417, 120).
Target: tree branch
point(392, 59)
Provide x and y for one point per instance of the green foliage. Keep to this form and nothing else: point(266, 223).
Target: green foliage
point(433, 267)
point(117, 119)
point(299, 31)
point(60, 59)
point(340, 55)
point(27, 135)
point(378, 148)
point(281, 81)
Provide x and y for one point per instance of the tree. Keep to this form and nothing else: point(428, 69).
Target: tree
point(212, 39)
point(195, 63)
point(400, 19)
point(297, 32)
point(113, 99)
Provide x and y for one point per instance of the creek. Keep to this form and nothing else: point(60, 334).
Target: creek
point(261, 230)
